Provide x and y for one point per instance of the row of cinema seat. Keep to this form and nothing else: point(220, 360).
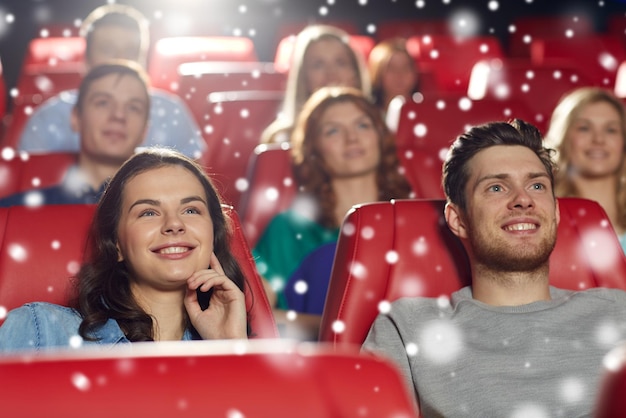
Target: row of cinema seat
point(37, 257)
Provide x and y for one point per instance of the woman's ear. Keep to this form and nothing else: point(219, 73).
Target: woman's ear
point(120, 257)
point(455, 218)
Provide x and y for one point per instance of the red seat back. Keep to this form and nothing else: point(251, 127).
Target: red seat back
point(597, 56)
point(32, 171)
point(451, 58)
point(428, 260)
point(243, 379)
point(538, 87)
point(199, 79)
point(529, 28)
point(232, 129)
point(42, 248)
point(170, 52)
point(271, 188)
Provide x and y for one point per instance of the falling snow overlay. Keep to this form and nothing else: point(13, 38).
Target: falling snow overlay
point(493, 84)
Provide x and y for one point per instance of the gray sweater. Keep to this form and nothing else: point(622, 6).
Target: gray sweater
point(463, 358)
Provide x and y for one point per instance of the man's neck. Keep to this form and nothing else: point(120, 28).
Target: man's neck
point(510, 288)
point(95, 173)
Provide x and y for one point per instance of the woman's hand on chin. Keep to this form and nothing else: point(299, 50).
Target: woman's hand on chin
point(225, 318)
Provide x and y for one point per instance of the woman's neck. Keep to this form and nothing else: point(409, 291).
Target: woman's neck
point(351, 191)
point(166, 308)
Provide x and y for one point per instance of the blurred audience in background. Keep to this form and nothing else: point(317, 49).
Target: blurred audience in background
point(113, 31)
point(588, 131)
point(110, 117)
point(322, 56)
point(343, 155)
point(393, 72)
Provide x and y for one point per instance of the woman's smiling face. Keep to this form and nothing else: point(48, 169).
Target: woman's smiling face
point(165, 231)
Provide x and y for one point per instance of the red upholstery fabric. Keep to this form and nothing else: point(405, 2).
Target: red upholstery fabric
point(451, 58)
point(271, 188)
point(538, 87)
point(611, 400)
point(42, 249)
point(28, 171)
point(404, 248)
point(170, 52)
point(597, 56)
point(199, 79)
point(528, 28)
point(206, 378)
point(50, 66)
point(233, 127)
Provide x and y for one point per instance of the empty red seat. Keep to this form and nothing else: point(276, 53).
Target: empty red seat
point(168, 53)
point(451, 58)
point(597, 56)
point(232, 129)
point(199, 79)
point(430, 260)
point(538, 87)
point(435, 122)
point(528, 28)
point(42, 248)
point(271, 188)
point(252, 379)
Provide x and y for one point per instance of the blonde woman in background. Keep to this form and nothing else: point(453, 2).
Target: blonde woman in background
point(588, 131)
point(321, 57)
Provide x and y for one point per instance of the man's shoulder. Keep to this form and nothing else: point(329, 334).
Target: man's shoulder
point(605, 294)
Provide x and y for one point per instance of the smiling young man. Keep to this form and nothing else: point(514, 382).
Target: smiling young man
point(510, 344)
point(110, 117)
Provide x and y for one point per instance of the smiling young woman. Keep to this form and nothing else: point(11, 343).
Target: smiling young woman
point(158, 266)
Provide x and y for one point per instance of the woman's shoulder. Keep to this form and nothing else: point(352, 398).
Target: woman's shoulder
point(46, 312)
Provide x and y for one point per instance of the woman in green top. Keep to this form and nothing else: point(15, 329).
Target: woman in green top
point(343, 155)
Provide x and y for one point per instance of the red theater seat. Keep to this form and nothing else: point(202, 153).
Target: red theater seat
point(528, 28)
point(597, 56)
point(31, 171)
point(611, 400)
point(271, 188)
point(451, 58)
point(432, 262)
point(51, 65)
point(232, 129)
point(199, 79)
point(230, 379)
point(170, 52)
point(538, 87)
point(42, 248)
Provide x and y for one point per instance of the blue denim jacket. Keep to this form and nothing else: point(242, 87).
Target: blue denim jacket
point(40, 325)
